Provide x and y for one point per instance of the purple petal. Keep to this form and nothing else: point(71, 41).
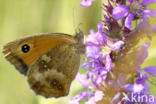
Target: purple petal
point(98, 95)
point(108, 63)
point(142, 79)
point(79, 97)
point(142, 54)
point(135, 88)
point(100, 78)
point(91, 100)
point(96, 38)
point(92, 37)
point(82, 80)
point(129, 19)
point(150, 12)
point(86, 64)
point(147, 2)
point(130, 1)
point(116, 45)
point(138, 88)
point(150, 70)
point(116, 98)
point(146, 88)
point(120, 12)
point(92, 52)
point(86, 3)
point(90, 75)
point(100, 28)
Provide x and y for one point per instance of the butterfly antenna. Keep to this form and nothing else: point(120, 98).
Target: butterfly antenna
point(74, 22)
point(73, 11)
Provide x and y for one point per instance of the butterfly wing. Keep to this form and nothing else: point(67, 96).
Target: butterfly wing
point(52, 73)
point(38, 44)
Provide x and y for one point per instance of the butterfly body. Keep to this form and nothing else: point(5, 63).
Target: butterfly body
point(50, 61)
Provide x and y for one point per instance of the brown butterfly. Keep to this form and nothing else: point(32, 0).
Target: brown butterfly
point(50, 61)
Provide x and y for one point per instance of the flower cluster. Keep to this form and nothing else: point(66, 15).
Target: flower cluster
point(135, 10)
point(115, 55)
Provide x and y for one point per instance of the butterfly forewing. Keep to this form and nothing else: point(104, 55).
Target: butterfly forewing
point(38, 44)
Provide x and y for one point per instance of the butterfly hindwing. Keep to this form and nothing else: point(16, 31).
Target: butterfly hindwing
point(52, 73)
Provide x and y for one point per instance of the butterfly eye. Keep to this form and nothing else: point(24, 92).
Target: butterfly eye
point(25, 48)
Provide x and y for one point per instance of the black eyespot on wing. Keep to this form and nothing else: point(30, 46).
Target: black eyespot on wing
point(25, 48)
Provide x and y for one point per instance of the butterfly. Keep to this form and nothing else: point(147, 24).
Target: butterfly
point(49, 61)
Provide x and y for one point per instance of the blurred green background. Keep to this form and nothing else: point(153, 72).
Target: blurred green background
point(25, 17)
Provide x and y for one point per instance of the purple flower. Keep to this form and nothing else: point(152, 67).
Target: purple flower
point(98, 51)
point(91, 101)
point(81, 78)
point(135, 88)
point(150, 70)
point(97, 97)
point(93, 94)
point(136, 9)
point(78, 98)
point(120, 12)
point(141, 87)
point(98, 38)
point(86, 3)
